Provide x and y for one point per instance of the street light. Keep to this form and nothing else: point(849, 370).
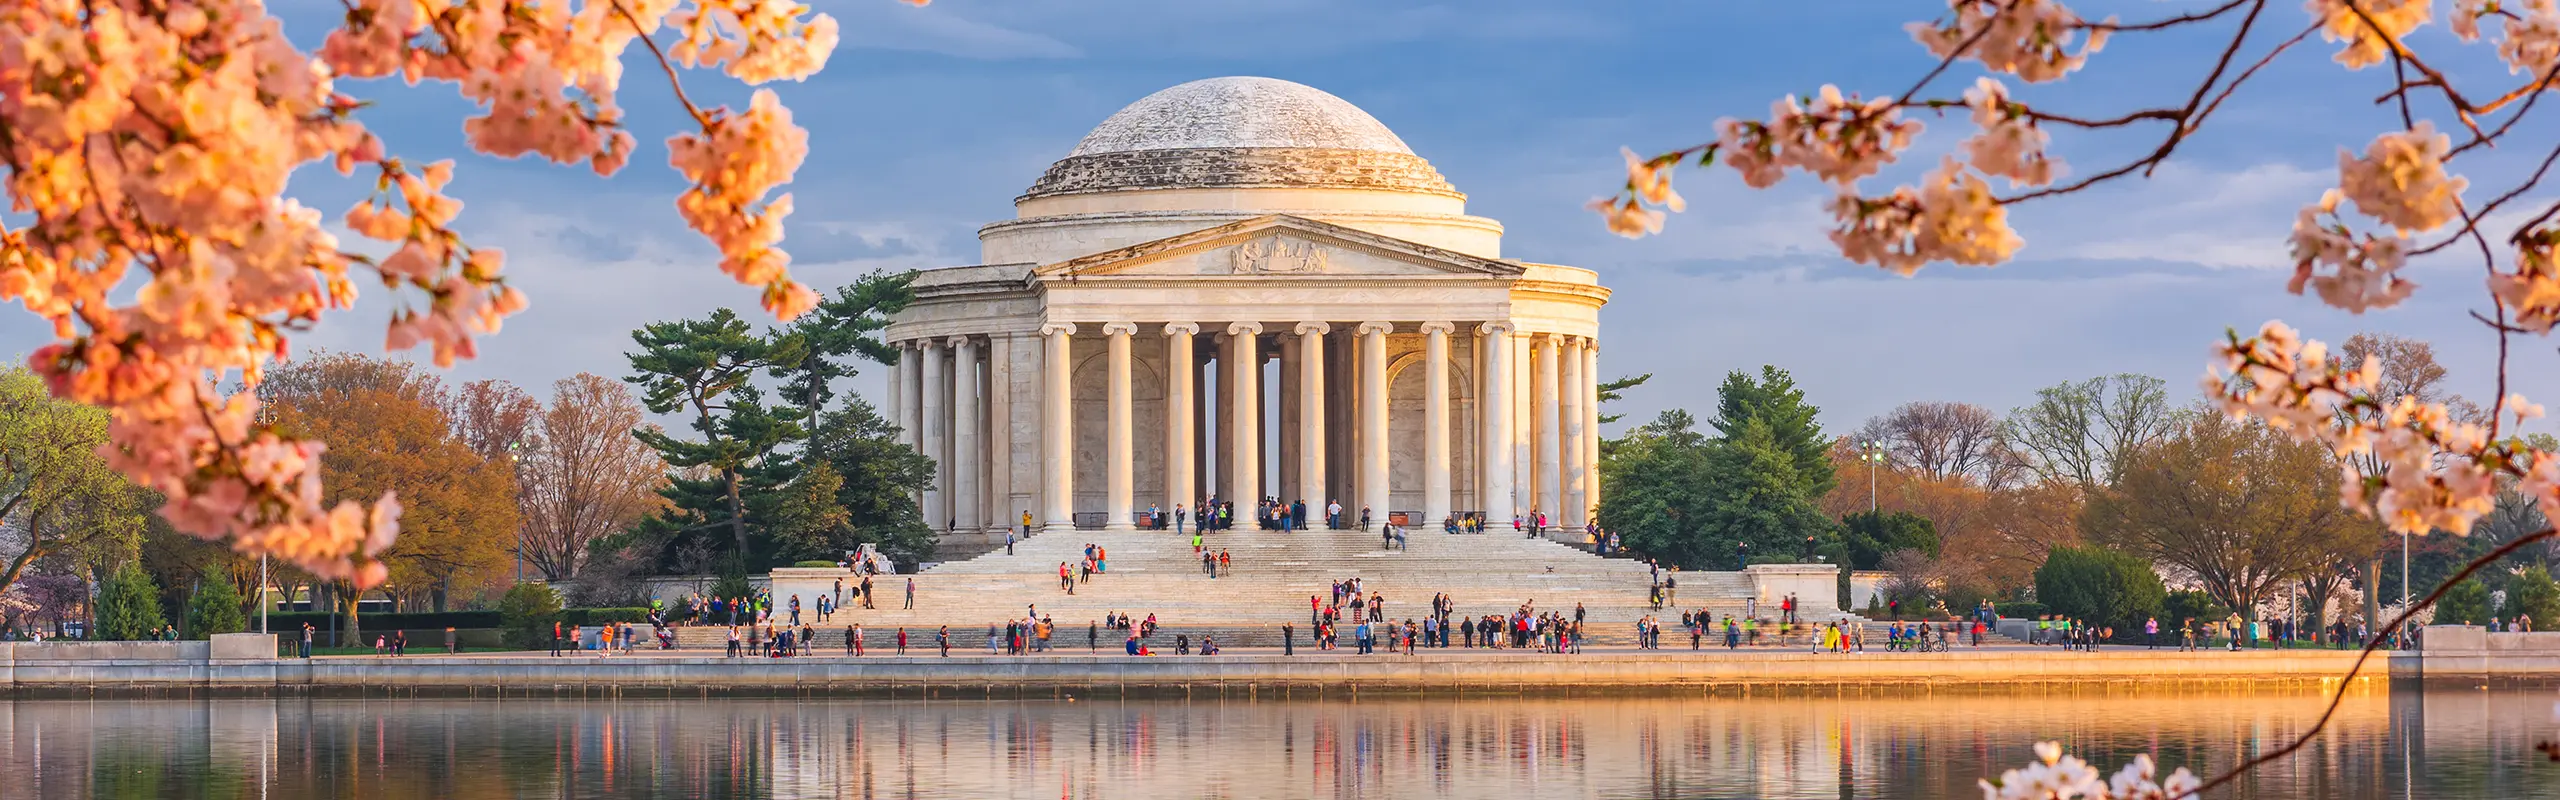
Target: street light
point(1872, 453)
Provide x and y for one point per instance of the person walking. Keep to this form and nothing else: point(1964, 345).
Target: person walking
point(307, 632)
point(911, 594)
point(1008, 542)
point(853, 639)
point(2151, 633)
point(942, 635)
point(902, 640)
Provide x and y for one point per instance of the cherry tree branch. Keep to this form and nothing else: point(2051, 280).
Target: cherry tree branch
point(673, 82)
point(2340, 696)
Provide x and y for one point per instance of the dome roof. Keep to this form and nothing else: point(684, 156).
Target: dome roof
point(1240, 112)
point(1240, 133)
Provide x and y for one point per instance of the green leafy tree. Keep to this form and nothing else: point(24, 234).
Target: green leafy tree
point(1707, 504)
point(2241, 507)
point(704, 369)
point(839, 330)
point(2533, 594)
point(880, 479)
point(2186, 605)
point(2467, 603)
point(1870, 536)
point(808, 524)
point(527, 611)
point(58, 497)
point(2100, 586)
point(129, 605)
point(215, 608)
point(1774, 402)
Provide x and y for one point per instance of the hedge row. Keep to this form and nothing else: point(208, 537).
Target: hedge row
point(2020, 610)
point(430, 620)
point(292, 620)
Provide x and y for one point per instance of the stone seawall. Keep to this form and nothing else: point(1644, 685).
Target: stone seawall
point(1258, 674)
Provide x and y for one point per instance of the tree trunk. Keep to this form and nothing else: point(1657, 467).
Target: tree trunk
point(2373, 594)
point(737, 513)
point(354, 633)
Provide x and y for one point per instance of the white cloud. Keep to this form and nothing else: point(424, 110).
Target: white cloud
point(941, 29)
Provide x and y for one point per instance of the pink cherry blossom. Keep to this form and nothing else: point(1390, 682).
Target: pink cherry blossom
point(2031, 39)
point(150, 146)
point(2401, 179)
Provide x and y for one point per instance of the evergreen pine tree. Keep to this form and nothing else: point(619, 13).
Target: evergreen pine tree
point(215, 608)
point(129, 605)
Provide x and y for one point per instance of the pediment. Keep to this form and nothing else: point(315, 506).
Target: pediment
point(1280, 247)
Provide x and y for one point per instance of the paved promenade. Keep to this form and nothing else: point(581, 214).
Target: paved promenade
point(1235, 673)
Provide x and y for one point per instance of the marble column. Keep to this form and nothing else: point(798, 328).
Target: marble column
point(968, 454)
point(1543, 393)
point(1569, 393)
point(1222, 469)
point(1119, 444)
point(1057, 429)
point(1179, 415)
point(936, 406)
point(1435, 421)
point(1591, 426)
point(911, 395)
point(1000, 512)
point(1373, 418)
point(1245, 447)
point(1311, 416)
point(1524, 418)
point(1498, 502)
point(898, 393)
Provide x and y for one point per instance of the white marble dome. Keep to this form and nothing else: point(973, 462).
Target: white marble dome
point(1220, 150)
point(1240, 112)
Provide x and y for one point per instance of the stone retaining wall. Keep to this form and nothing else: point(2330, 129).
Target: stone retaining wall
point(1225, 674)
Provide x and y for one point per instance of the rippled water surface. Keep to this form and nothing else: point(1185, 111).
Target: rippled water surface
point(2439, 744)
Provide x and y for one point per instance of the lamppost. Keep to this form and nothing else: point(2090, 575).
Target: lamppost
point(1872, 453)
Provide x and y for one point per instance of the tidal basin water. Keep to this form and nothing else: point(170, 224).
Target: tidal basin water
point(2433, 745)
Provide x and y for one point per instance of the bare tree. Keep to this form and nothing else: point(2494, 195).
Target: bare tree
point(494, 418)
point(1944, 441)
point(2409, 369)
point(2083, 432)
point(586, 477)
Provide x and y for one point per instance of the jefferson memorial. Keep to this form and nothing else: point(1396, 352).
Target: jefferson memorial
point(1246, 288)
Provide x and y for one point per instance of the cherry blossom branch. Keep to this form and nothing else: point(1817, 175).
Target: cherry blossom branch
point(2188, 120)
point(2163, 24)
point(673, 82)
point(2396, 624)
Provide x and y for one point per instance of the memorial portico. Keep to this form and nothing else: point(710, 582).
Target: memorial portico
point(1243, 288)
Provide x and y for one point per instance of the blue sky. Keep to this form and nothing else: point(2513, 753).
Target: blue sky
point(929, 121)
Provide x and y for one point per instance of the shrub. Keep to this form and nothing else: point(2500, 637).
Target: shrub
point(215, 608)
point(2467, 603)
point(2020, 609)
point(2100, 587)
point(2532, 594)
point(527, 611)
point(732, 583)
point(2189, 605)
point(821, 564)
point(281, 621)
point(129, 605)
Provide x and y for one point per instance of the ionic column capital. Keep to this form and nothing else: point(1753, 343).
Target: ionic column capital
point(1374, 326)
point(1119, 329)
point(960, 341)
point(1181, 328)
point(927, 344)
point(1053, 328)
point(1494, 329)
point(1439, 326)
point(1317, 328)
point(1244, 329)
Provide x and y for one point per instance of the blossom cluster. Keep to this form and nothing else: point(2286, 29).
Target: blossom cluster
point(2440, 473)
point(2369, 29)
point(2346, 270)
point(2531, 293)
point(149, 144)
point(2031, 39)
point(2055, 776)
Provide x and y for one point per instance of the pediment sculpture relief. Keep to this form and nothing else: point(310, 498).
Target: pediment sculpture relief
point(1278, 256)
